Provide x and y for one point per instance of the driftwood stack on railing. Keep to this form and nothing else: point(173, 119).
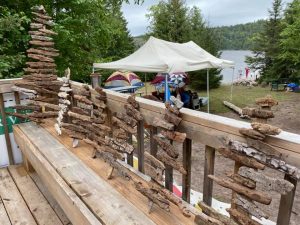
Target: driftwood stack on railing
point(220, 134)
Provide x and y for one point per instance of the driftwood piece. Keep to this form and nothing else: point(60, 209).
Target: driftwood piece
point(83, 99)
point(26, 107)
point(255, 195)
point(157, 122)
point(74, 134)
point(131, 100)
point(267, 101)
point(127, 119)
point(242, 218)
point(166, 146)
point(123, 125)
point(80, 117)
point(236, 109)
point(242, 180)
point(203, 219)
point(99, 103)
point(131, 111)
point(80, 111)
point(267, 183)
point(172, 118)
point(102, 127)
point(258, 113)
point(215, 214)
point(154, 161)
point(250, 207)
point(98, 112)
point(24, 116)
point(50, 114)
point(41, 65)
point(100, 91)
point(42, 43)
point(172, 109)
point(266, 129)
point(118, 145)
point(40, 70)
point(244, 160)
point(46, 31)
point(40, 58)
point(120, 134)
point(36, 25)
point(42, 16)
point(154, 173)
point(166, 159)
point(41, 38)
point(84, 106)
point(43, 21)
point(264, 147)
point(174, 135)
point(74, 127)
point(252, 133)
point(42, 52)
point(263, 158)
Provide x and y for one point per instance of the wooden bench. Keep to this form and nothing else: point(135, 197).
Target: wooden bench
point(86, 197)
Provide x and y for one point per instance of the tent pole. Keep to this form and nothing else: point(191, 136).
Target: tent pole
point(207, 81)
point(146, 83)
point(232, 84)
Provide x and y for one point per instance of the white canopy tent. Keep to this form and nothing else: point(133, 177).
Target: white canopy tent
point(161, 56)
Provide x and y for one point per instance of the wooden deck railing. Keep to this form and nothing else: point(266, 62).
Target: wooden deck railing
point(204, 128)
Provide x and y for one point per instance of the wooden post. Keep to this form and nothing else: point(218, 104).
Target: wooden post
point(209, 168)
point(140, 145)
point(153, 144)
point(237, 166)
point(286, 203)
point(6, 131)
point(169, 178)
point(129, 156)
point(187, 165)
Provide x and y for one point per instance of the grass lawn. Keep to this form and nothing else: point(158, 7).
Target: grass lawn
point(242, 96)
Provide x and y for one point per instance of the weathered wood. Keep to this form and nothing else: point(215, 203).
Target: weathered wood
point(26, 107)
point(172, 118)
point(42, 16)
point(187, 165)
point(131, 100)
point(172, 109)
point(209, 168)
point(42, 52)
point(267, 183)
point(83, 99)
point(166, 146)
point(49, 114)
point(120, 134)
point(206, 220)
point(267, 101)
point(157, 122)
point(242, 180)
point(40, 70)
point(80, 117)
point(36, 25)
point(235, 108)
point(153, 144)
point(43, 21)
point(154, 161)
point(102, 127)
point(127, 119)
point(250, 207)
point(24, 116)
point(255, 195)
point(263, 147)
point(80, 111)
point(44, 104)
point(140, 145)
point(123, 125)
point(42, 43)
point(131, 111)
point(154, 173)
point(241, 217)
point(74, 134)
point(41, 38)
point(41, 65)
point(40, 58)
point(258, 113)
point(4, 219)
point(245, 160)
point(215, 214)
point(252, 133)
point(46, 31)
point(118, 145)
point(166, 159)
point(174, 135)
point(266, 129)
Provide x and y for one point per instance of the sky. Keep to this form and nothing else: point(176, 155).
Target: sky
point(215, 12)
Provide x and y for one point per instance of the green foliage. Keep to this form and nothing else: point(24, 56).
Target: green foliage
point(172, 20)
point(13, 42)
point(238, 37)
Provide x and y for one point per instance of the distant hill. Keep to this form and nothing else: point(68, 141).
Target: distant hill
point(237, 37)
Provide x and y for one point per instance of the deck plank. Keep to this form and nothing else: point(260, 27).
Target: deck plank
point(38, 205)
point(105, 202)
point(4, 220)
point(53, 203)
point(14, 203)
point(84, 152)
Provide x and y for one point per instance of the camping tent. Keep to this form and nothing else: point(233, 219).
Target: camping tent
point(167, 57)
point(122, 79)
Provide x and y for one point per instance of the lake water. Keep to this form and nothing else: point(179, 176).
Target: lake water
point(238, 57)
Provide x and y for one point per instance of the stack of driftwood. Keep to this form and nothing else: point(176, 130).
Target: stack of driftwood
point(40, 80)
point(248, 183)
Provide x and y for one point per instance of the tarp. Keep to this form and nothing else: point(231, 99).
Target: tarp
point(122, 79)
point(161, 56)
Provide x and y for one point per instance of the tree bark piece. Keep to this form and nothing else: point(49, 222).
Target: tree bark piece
point(166, 146)
point(36, 25)
point(123, 125)
point(42, 52)
point(43, 114)
point(131, 111)
point(157, 122)
point(215, 214)
point(80, 117)
point(154, 173)
point(46, 31)
point(43, 21)
point(40, 58)
point(264, 147)
point(245, 160)
point(172, 118)
point(41, 38)
point(42, 16)
point(26, 107)
point(83, 99)
point(24, 116)
point(266, 129)
point(119, 146)
point(174, 135)
point(42, 43)
point(241, 217)
point(267, 101)
point(102, 127)
point(250, 207)
point(120, 134)
point(127, 119)
point(242, 180)
point(258, 113)
point(40, 70)
point(166, 159)
point(80, 111)
point(40, 65)
point(252, 134)
point(267, 183)
point(154, 161)
point(255, 195)
point(131, 100)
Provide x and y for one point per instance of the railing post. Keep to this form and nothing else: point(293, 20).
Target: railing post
point(6, 131)
point(153, 144)
point(140, 145)
point(130, 156)
point(209, 167)
point(187, 165)
point(286, 203)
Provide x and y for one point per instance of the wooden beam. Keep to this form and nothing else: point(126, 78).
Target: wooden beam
point(4, 219)
point(209, 168)
point(187, 165)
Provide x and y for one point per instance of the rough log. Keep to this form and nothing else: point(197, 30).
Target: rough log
point(252, 133)
point(42, 16)
point(119, 146)
point(174, 135)
point(131, 100)
point(131, 111)
point(267, 183)
point(43, 21)
point(250, 207)
point(74, 127)
point(80, 117)
point(120, 134)
point(263, 147)
point(42, 52)
point(242, 180)
point(83, 99)
point(203, 219)
point(42, 43)
point(46, 31)
point(266, 129)
point(41, 77)
point(154, 161)
point(215, 214)
point(157, 122)
point(236, 109)
point(242, 218)
point(166, 159)
point(40, 58)
point(267, 101)
point(244, 160)
point(127, 119)
point(123, 125)
point(154, 173)
point(40, 65)
point(36, 25)
point(172, 109)
point(41, 38)
point(258, 113)
point(41, 70)
point(102, 127)
point(80, 111)
point(172, 118)
point(255, 195)
point(166, 146)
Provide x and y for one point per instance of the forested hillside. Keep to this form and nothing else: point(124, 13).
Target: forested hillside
point(238, 37)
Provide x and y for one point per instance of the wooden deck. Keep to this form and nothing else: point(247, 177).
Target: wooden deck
point(25, 200)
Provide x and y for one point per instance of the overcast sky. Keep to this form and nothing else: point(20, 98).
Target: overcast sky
point(216, 12)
